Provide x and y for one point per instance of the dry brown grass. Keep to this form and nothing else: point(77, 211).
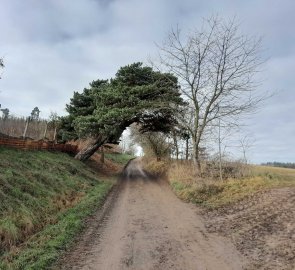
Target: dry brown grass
point(213, 193)
point(156, 168)
point(183, 171)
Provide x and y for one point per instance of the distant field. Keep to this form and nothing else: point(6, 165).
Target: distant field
point(214, 193)
point(276, 170)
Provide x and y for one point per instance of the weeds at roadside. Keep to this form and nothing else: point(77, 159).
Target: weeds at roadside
point(213, 193)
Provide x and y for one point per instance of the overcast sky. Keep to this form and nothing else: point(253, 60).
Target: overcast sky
point(52, 48)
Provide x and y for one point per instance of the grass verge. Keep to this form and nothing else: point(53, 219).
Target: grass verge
point(42, 249)
point(44, 198)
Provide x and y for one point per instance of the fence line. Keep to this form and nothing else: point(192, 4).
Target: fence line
point(21, 127)
point(27, 144)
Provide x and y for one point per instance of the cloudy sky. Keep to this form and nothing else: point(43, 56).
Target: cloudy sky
point(52, 48)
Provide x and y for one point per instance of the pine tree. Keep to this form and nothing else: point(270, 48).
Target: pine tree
point(137, 94)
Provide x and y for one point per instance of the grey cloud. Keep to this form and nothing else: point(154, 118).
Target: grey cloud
point(54, 47)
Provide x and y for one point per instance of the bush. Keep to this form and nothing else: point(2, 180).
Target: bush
point(183, 171)
point(156, 168)
point(230, 169)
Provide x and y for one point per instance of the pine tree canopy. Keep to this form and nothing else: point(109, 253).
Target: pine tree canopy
point(137, 94)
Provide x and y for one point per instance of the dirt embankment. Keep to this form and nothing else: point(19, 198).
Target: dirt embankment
point(262, 228)
point(144, 226)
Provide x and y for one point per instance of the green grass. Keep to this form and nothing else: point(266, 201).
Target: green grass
point(44, 198)
point(215, 194)
point(119, 158)
point(43, 248)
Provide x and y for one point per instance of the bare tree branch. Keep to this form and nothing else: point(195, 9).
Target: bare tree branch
point(216, 68)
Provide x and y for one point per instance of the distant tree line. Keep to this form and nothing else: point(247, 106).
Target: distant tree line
point(280, 164)
point(32, 126)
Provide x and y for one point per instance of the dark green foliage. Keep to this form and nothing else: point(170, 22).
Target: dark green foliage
point(67, 131)
point(136, 94)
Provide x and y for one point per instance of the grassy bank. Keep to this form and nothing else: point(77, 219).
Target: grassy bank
point(44, 198)
point(215, 193)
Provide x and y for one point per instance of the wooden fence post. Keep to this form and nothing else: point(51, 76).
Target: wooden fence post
point(45, 131)
point(26, 128)
point(54, 136)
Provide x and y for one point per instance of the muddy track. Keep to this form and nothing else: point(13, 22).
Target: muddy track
point(144, 226)
point(262, 227)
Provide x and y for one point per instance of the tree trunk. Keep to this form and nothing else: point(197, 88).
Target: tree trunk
point(26, 128)
point(177, 152)
point(219, 151)
point(196, 156)
point(186, 149)
point(90, 149)
point(45, 131)
point(102, 154)
point(175, 145)
point(54, 135)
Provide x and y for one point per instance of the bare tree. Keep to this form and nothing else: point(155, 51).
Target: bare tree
point(175, 138)
point(216, 67)
point(1, 64)
point(1, 67)
point(180, 142)
point(246, 143)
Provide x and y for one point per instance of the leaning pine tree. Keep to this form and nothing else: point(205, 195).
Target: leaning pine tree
point(137, 94)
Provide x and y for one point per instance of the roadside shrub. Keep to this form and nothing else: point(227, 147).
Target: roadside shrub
point(156, 168)
point(230, 169)
point(183, 171)
point(197, 193)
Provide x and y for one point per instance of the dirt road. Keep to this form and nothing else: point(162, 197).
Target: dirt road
point(144, 226)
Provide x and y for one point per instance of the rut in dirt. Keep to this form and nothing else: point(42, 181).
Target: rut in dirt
point(144, 226)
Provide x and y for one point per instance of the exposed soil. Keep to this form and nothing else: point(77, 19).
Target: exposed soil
point(262, 227)
point(144, 226)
